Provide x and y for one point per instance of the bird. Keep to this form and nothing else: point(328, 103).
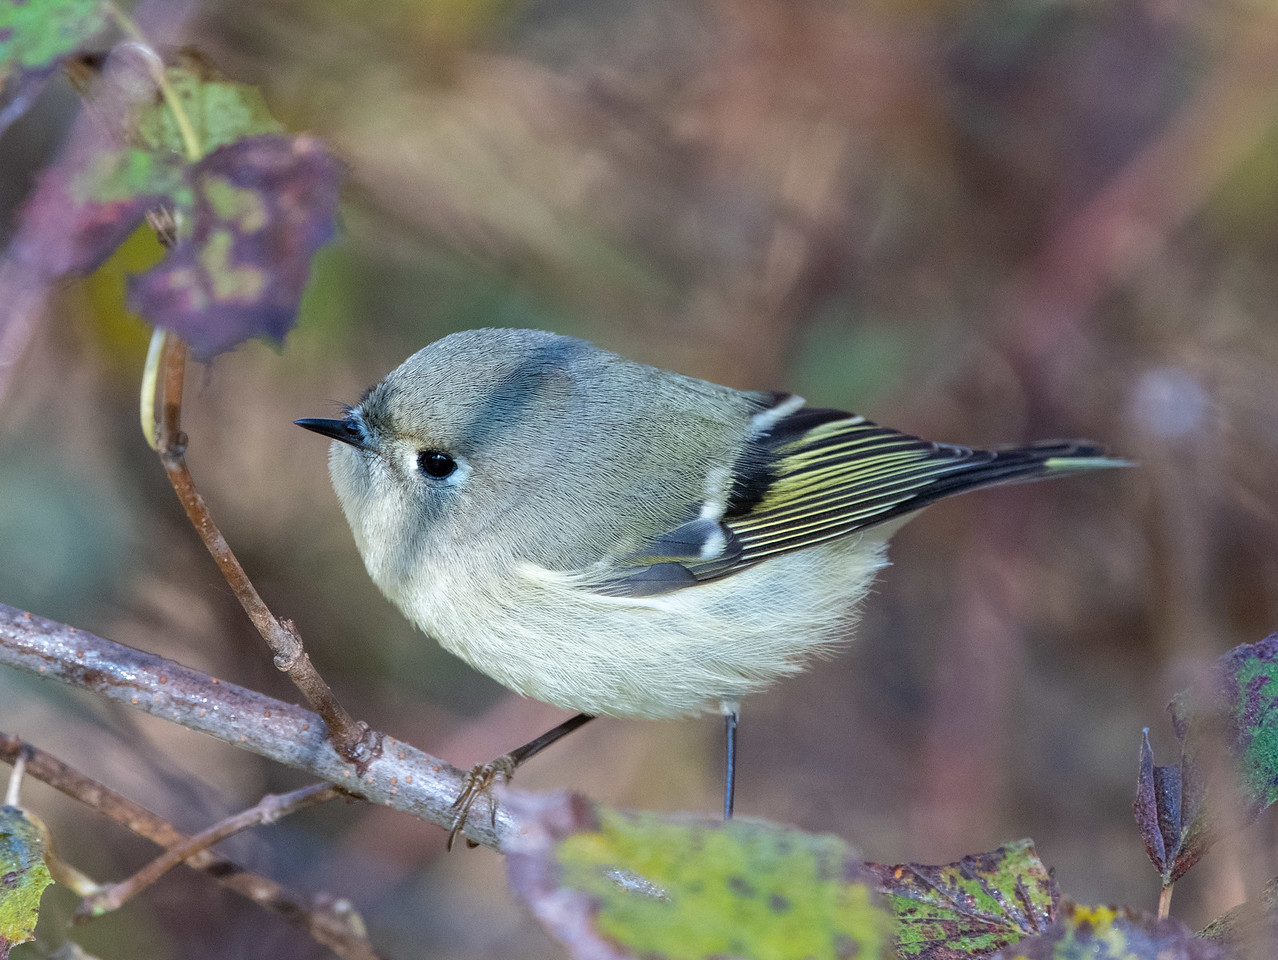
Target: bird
point(620, 540)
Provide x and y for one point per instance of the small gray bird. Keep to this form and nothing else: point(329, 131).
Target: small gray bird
point(616, 539)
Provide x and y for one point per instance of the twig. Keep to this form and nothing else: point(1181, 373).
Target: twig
point(353, 740)
point(1164, 901)
point(400, 777)
point(318, 916)
point(271, 808)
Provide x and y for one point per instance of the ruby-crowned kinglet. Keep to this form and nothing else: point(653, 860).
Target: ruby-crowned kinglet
point(617, 539)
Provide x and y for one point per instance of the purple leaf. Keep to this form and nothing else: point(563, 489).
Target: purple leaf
point(262, 208)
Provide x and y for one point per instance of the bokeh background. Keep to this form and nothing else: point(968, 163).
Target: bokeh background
point(983, 223)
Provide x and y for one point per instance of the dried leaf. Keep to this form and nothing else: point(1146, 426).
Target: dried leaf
point(1169, 810)
point(262, 207)
point(23, 876)
point(615, 885)
point(1106, 933)
point(970, 908)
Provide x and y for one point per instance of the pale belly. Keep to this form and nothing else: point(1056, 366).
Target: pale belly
point(676, 654)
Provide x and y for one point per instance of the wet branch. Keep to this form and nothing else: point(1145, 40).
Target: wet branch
point(399, 776)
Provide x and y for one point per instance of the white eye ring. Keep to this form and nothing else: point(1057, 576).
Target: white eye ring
point(439, 467)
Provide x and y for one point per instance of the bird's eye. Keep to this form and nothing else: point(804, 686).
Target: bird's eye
point(436, 463)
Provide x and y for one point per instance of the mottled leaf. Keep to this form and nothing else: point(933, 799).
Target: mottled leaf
point(1247, 695)
point(127, 157)
point(220, 111)
point(616, 885)
point(970, 908)
point(1106, 933)
point(34, 39)
point(23, 876)
point(262, 207)
point(1231, 716)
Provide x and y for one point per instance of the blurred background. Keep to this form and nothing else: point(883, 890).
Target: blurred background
point(984, 223)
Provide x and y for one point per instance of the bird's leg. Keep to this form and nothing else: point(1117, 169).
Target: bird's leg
point(731, 710)
point(480, 780)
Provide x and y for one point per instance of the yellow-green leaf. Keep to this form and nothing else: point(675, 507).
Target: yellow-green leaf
point(23, 876)
point(608, 883)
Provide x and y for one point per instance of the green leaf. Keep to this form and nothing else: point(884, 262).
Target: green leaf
point(38, 35)
point(1248, 682)
point(153, 160)
point(220, 112)
point(1106, 933)
point(969, 908)
point(34, 39)
point(613, 884)
point(23, 876)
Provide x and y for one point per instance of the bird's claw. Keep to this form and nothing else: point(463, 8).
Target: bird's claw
point(479, 782)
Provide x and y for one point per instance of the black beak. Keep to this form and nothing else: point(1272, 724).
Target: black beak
point(344, 430)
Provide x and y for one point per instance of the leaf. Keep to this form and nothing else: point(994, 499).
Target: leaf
point(126, 157)
point(609, 884)
point(77, 214)
point(970, 908)
point(34, 39)
point(1247, 693)
point(220, 111)
point(1169, 810)
point(23, 876)
point(34, 35)
point(1108, 933)
point(262, 208)
point(1231, 714)
point(249, 214)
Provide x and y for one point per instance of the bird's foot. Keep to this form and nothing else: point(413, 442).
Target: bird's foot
point(479, 782)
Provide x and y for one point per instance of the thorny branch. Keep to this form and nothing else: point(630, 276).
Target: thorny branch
point(326, 921)
point(353, 739)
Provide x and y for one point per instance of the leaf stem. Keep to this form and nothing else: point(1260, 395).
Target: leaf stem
point(191, 144)
point(190, 141)
point(150, 375)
